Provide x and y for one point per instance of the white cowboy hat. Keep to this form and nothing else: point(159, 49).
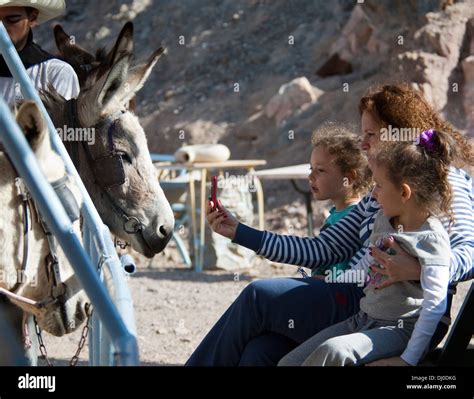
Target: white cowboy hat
point(48, 9)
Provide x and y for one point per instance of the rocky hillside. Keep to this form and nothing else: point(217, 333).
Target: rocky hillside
point(260, 75)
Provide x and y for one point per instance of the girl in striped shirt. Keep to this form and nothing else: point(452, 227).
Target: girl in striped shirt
point(339, 173)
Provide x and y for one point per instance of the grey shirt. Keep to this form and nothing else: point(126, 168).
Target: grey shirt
point(411, 299)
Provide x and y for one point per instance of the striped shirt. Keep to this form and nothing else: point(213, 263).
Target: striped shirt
point(348, 239)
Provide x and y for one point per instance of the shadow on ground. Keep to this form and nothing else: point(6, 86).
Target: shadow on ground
point(83, 363)
point(189, 275)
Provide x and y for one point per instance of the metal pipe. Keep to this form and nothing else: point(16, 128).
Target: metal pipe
point(128, 264)
point(95, 331)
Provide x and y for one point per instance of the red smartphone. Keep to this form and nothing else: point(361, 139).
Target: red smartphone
point(213, 196)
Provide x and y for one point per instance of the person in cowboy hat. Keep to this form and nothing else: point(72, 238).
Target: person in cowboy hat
point(19, 17)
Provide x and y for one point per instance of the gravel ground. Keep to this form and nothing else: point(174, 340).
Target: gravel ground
point(174, 309)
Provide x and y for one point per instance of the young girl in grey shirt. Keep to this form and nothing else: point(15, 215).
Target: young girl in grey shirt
point(395, 324)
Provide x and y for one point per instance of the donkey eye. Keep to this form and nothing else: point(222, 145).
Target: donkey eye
point(126, 157)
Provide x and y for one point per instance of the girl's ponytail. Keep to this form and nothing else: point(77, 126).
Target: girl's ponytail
point(440, 147)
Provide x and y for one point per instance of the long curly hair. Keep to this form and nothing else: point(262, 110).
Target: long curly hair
point(401, 106)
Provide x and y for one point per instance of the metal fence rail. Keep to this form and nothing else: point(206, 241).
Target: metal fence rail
point(112, 323)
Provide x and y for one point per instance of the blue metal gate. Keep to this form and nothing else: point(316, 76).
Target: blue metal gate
point(112, 339)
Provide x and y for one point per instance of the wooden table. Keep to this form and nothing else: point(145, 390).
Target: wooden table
point(293, 173)
point(203, 168)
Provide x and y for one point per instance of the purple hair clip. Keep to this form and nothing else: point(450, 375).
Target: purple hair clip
point(426, 140)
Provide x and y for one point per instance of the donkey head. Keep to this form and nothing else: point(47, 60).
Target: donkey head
point(117, 170)
point(64, 314)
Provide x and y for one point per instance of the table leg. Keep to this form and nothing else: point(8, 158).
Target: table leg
point(260, 200)
point(202, 240)
point(192, 198)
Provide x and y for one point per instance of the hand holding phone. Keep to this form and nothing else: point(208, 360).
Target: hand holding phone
point(222, 222)
point(213, 196)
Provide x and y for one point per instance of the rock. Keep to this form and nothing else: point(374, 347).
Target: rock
point(428, 72)
point(470, 35)
point(441, 39)
point(292, 97)
point(358, 34)
point(181, 331)
point(169, 94)
point(202, 131)
point(253, 126)
point(468, 91)
point(335, 65)
point(130, 12)
point(446, 3)
point(443, 35)
point(102, 33)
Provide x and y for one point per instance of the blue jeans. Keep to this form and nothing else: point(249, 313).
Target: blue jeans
point(271, 317)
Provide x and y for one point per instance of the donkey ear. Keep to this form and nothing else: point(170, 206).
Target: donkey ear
point(138, 75)
point(73, 54)
point(69, 50)
point(115, 80)
point(31, 122)
point(123, 45)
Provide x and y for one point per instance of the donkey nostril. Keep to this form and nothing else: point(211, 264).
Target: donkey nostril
point(163, 231)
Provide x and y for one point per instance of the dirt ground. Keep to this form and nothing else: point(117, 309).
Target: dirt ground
point(175, 307)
